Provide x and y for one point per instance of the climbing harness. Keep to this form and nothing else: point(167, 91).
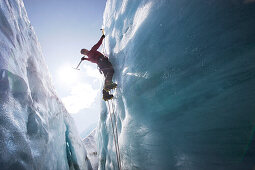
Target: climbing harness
point(115, 132)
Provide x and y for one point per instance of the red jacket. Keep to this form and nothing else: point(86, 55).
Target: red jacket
point(93, 54)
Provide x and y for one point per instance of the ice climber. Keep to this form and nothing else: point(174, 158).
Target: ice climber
point(104, 65)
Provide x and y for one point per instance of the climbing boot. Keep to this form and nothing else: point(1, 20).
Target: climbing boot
point(107, 96)
point(110, 86)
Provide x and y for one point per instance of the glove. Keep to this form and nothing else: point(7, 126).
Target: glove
point(103, 36)
point(83, 58)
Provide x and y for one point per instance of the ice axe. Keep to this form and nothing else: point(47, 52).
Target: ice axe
point(102, 30)
point(78, 66)
point(104, 43)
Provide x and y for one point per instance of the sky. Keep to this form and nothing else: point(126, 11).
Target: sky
point(63, 28)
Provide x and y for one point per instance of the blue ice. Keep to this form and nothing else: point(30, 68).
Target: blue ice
point(36, 131)
point(186, 85)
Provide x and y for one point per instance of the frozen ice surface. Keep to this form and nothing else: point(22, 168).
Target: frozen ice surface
point(186, 85)
point(91, 148)
point(36, 132)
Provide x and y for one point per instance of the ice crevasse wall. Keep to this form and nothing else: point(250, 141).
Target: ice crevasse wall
point(36, 132)
point(186, 84)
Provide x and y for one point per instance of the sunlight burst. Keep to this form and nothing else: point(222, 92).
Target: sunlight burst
point(67, 74)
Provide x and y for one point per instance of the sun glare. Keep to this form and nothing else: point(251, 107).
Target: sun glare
point(81, 96)
point(67, 74)
point(82, 86)
point(92, 72)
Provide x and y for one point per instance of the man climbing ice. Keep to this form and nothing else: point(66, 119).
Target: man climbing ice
point(104, 65)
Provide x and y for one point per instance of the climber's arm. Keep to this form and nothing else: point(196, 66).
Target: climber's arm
point(97, 45)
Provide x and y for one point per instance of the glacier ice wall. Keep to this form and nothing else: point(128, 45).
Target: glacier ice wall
point(186, 84)
point(36, 132)
point(91, 148)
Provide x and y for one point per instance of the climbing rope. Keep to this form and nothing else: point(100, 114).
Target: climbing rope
point(115, 136)
point(116, 129)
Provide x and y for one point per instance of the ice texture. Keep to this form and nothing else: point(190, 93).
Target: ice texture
point(91, 148)
point(36, 132)
point(186, 85)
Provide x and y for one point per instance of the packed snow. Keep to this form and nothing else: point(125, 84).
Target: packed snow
point(186, 85)
point(36, 132)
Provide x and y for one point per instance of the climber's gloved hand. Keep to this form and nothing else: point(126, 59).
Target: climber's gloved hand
point(103, 36)
point(83, 58)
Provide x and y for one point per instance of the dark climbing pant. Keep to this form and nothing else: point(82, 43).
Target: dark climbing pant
point(106, 67)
